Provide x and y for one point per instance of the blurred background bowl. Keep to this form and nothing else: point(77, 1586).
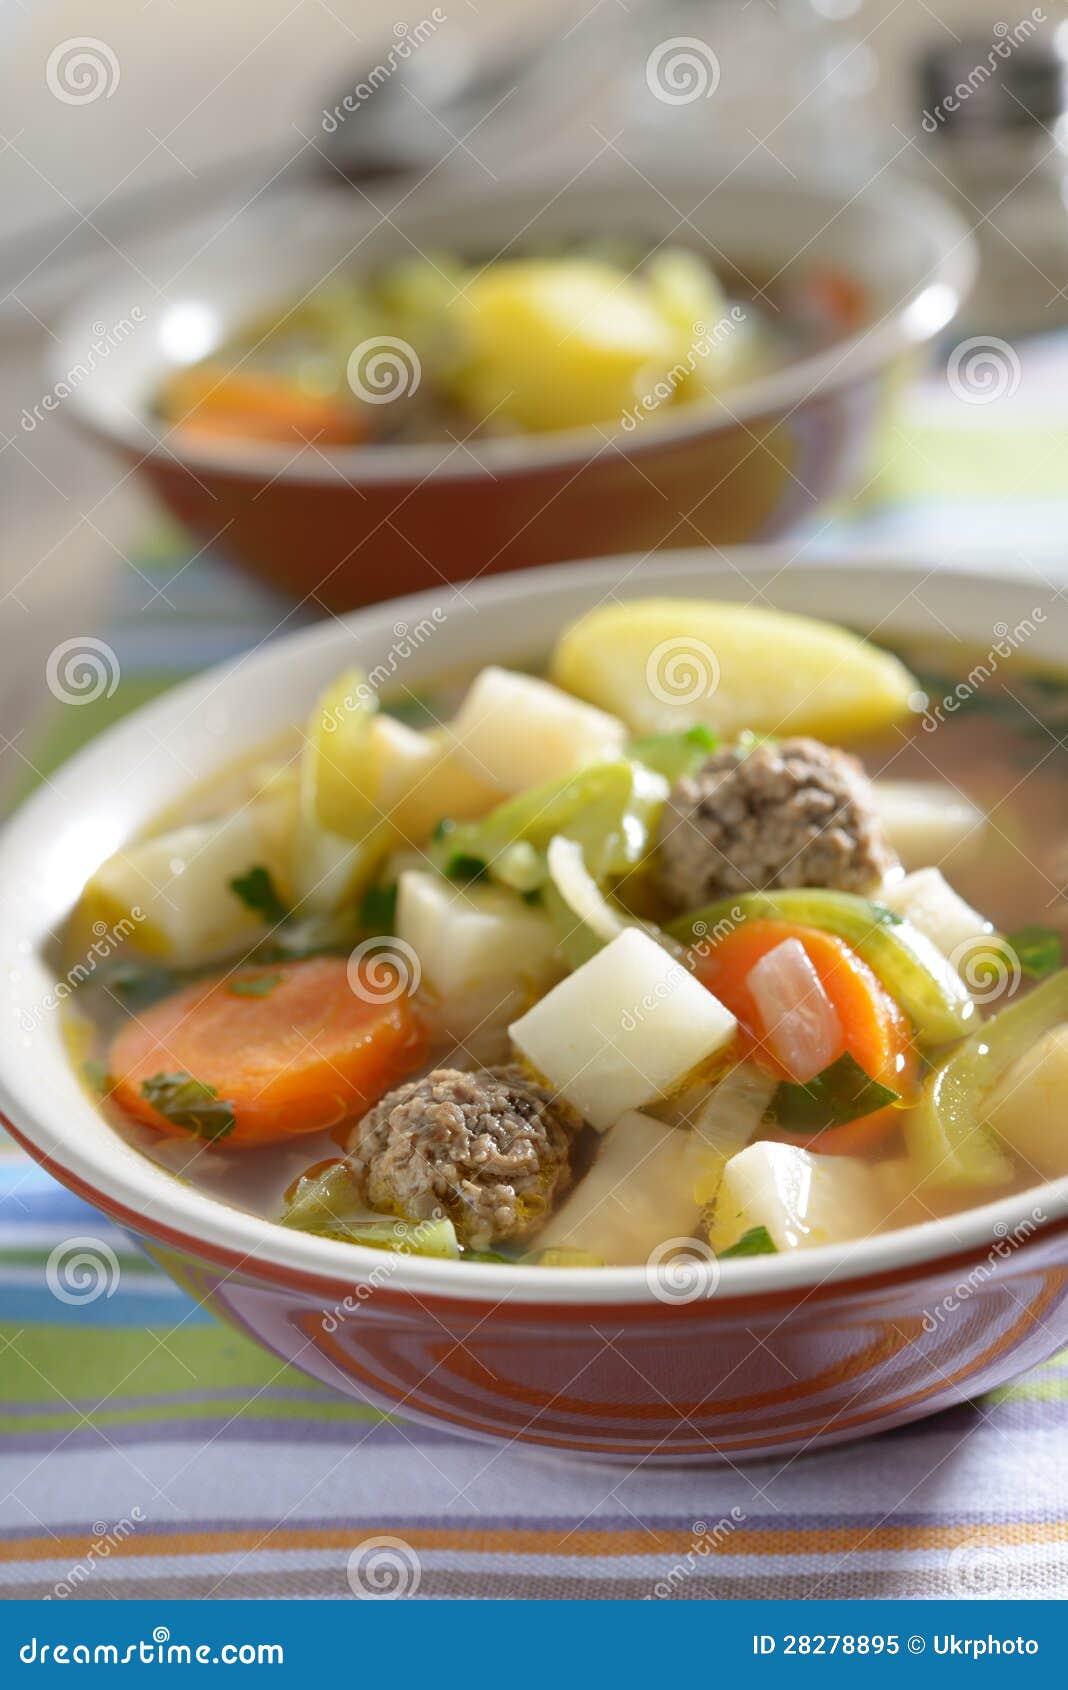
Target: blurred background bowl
point(349, 526)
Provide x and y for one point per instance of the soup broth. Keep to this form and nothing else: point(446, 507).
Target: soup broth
point(971, 793)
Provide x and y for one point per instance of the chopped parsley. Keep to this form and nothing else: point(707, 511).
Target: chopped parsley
point(756, 1242)
point(1039, 950)
point(378, 908)
point(137, 984)
point(842, 1092)
point(461, 866)
point(258, 892)
point(190, 1104)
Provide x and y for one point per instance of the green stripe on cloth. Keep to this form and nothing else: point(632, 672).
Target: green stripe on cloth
point(1030, 1390)
point(27, 1256)
point(932, 462)
point(203, 1409)
point(67, 728)
point(45, 1365)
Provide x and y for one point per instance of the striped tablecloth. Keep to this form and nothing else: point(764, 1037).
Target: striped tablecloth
point(148, 1451)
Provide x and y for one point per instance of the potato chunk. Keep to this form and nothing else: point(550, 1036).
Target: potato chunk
point(666, 664)
point(801, 1199)
point(466, 937)
point(639, 1193)
point(622, 1029)
point(175, 888)
point(518, 732)
point(1027, 1106)
point(927, 900)
point(560, 343)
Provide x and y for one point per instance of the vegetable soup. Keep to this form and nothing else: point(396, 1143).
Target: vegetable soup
point(441, 349)
point(723, 926)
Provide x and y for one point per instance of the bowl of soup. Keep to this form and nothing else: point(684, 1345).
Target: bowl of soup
point(622, 1010)
point(353, 406)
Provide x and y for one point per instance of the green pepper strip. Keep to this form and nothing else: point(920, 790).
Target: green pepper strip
point(946, 1136)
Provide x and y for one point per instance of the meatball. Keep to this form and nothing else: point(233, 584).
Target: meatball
point(490, 1148)
point(796, 813)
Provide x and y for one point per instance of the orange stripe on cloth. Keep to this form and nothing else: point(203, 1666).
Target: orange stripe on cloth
point(530, 1541)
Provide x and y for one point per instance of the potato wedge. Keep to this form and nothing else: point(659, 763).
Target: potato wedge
point(665, 664)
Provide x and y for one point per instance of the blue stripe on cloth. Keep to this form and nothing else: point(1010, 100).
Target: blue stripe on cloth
point(158, 1304)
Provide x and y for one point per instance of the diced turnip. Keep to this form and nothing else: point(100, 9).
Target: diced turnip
point(803, 1200)
point(517, 731)
point(799, 1020)
point(622, 1029)
point(639, 1193)
point(467, 937)
point(926, 899)
point(925, 821)
point(1027, 1107)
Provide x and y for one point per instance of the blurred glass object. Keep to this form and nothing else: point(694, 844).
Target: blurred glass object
point(789, 83)
point(714, 82)
point(994, 126)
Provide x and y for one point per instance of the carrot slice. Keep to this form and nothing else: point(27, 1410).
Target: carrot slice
point(289, 1048)
point(875, 1032)
point(209, 400)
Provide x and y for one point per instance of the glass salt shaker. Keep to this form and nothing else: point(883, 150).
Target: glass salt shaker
point(994, 131)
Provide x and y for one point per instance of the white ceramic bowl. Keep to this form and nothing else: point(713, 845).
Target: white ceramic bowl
point(277, 1282)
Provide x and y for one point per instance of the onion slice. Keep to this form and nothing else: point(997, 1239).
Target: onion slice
point(719, 1121)
point(800, 1022)
point(579, 890)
